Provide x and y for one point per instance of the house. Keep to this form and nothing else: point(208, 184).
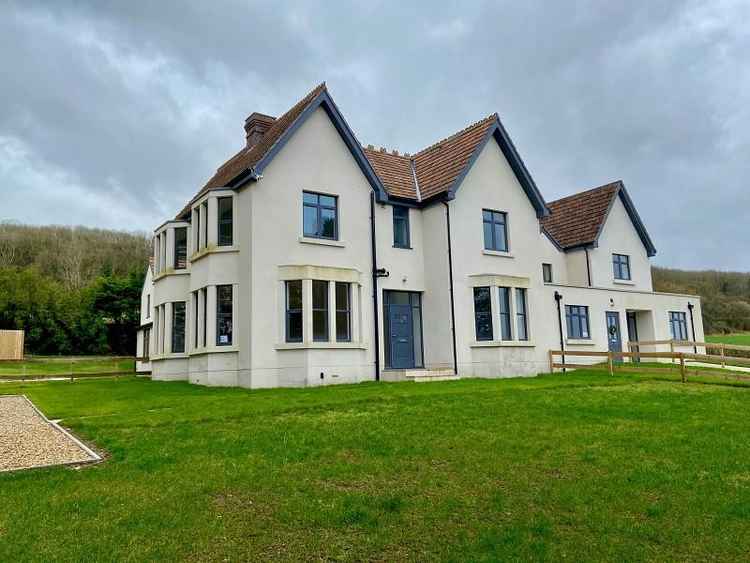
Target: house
point(309, 259)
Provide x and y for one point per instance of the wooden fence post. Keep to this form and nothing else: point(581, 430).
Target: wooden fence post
point(611, 363)
point(671, 349)
point(551, 362)
point(682, 366)
point(723, 355)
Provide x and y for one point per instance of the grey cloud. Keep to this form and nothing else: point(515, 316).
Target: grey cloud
point(130, 106)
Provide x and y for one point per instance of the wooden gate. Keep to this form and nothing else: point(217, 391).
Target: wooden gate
point(11, 345)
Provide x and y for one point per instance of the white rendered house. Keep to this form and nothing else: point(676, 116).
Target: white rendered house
point(308, 259)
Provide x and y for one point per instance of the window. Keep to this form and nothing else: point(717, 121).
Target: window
point(204, 325)
point(504, 303)
point(204, 212)
point(495, 230)
point(223, 315)
point(178, 327)
point(225, 221)
point(401, 235)
point(483, 313)
point(157, 253)
point(197, 229)
point(294, 311)
point(180, 248)
point(320, 215)
point(678, 326)
point(320, 310)
point(148, 306)
point(146, 342)
point(621, 266)
point(195, 319)
point(343, 313)
point(577, 319)
point(522, 331)
point(547, 273)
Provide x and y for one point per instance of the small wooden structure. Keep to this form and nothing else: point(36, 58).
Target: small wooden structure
point(11, 345)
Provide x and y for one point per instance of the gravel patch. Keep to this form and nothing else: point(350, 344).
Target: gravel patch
point(28, 439)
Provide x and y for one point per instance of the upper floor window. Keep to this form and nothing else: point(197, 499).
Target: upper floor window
point(547, 273)
point(148, 306)
point(223, 315)
point(401, 235)
point(180, 248)
point(204, 212)
point(621, 266)
point(577, 319)
point(178, 327)
point(522, 330)
point(225, 236)
point(495, 230)
point(678, 325)
point(294, 311)
point(483, 313)
point(320, 215)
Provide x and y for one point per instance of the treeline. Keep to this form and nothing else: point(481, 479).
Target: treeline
point(725, 296)
point(73, 290)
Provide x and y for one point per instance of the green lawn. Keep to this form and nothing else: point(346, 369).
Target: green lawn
point(742, 339)
point(40, 366)
point(581, 466)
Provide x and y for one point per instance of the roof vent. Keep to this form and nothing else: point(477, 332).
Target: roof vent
point(256, 126)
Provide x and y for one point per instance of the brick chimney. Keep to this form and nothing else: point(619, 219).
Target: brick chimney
point(255, 127)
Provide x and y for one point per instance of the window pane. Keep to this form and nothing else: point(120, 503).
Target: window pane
point(311, 221)
point(225, 221)
point(308, 197)
point(401, 226)
point(180, 248)
point(500, 242)
point(504, 303)
point(223, 315)
point(178, 327)
point(482, 313)
point(327, 201)
point(294, 327)
point(547, 273)
point(294, 294)
point(320, 310)
point(342, 327)
point(343, 313)
point(328, 220)
point(521, 326)
point(488, 236)
point(486, 215)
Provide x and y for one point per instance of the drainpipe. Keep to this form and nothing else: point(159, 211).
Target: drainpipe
point(375, 287)
point(588, 265)
point(450, 279)
point(558, 299)
point(692, 326)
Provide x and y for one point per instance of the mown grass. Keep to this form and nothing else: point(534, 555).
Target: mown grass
point(581, 466)
point(52, 366)
point(741, 339)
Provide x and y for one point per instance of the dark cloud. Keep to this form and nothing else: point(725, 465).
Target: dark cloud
point(113, 114)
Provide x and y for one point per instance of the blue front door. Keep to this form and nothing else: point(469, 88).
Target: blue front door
point(401, 336)
point(613, 332)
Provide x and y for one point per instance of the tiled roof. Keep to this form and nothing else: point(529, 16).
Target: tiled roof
point(577, 219)
point(439, 165)
point(394, 171)
point(247, 158)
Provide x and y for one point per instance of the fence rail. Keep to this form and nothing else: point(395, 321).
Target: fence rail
point(615, 361)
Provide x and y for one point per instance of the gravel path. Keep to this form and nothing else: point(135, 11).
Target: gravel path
point(28, 440)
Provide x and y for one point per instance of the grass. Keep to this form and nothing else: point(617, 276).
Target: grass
point(581, 466)
point(51, 366)
point(741, 338)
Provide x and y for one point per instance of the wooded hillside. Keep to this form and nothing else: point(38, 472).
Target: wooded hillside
point(73, 290)
point(725, 296)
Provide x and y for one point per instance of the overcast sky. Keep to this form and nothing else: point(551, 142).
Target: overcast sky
point(114, 114)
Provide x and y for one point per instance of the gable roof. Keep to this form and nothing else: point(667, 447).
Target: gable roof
point(250, 162)
point(578, 220)
point(395, 171)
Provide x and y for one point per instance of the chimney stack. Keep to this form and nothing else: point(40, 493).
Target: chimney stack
point(255, 127)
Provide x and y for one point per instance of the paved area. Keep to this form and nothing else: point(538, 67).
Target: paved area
point(28, 439)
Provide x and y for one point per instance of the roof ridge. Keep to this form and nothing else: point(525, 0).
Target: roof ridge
point(615, 183)
point(457, 133)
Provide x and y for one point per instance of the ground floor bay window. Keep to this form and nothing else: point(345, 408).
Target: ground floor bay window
point(501, 311)
point(320, 312)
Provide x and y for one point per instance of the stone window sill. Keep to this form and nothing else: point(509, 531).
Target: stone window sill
point(322, 241)
point(320, 346)
point(580, 342)
point(214, 350)
point(212, 250)
point(503, 344)
point(499, 253)
point(624, 282)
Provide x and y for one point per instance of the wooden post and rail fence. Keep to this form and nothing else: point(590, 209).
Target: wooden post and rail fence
point(731, 365)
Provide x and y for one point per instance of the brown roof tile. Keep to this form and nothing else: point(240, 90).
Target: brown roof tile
point(394, 171)
point(247, 158)
point(439, 165)
point(577, 219)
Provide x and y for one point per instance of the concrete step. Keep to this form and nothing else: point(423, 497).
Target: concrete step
point(419, 375)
